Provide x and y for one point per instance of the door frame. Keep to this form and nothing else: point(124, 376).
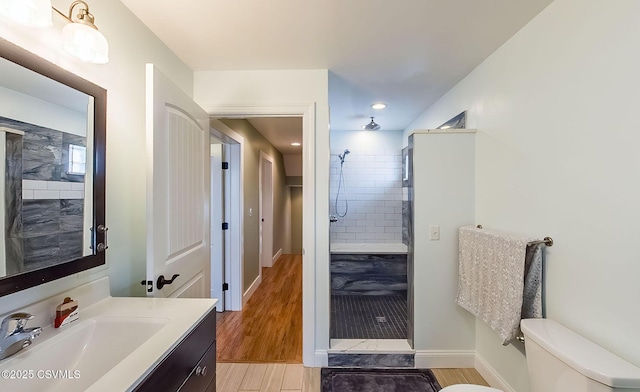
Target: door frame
point(265, 206)
point(217, 209)
point(234, 206)
point(310, 356)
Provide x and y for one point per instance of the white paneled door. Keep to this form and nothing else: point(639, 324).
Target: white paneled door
point(177, 191)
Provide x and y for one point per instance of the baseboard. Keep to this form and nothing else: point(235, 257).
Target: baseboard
point(254, 286)
point(321, 359)
point(445, 359)
point(491, 375)
point(276, 256)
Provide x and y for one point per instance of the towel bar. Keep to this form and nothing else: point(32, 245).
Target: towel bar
point(548, 241)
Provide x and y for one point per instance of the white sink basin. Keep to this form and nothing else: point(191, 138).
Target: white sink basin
point(75, 357)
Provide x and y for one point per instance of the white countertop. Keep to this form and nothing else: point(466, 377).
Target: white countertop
point(183, 314)
point(179, 316)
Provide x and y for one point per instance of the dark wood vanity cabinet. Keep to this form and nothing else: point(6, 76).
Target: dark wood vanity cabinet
point(191, 366)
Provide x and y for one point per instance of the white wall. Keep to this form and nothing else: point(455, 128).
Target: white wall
point(25, 108)
point(557, 155)
point(288, 92)
point(131, 46)
point(373, 180)
point(443, 178)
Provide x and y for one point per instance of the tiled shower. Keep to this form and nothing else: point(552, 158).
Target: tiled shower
point(368, 281)
point(373, 181)
point(44, 199)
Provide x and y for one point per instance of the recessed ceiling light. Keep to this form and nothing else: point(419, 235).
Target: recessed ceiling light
point(378, 105)
point(295, 144)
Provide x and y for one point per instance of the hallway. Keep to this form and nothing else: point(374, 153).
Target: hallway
point(269, 328)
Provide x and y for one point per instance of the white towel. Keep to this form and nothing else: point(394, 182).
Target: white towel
point(492, 279)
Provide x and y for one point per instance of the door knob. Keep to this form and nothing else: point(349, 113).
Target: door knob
point(162, 281)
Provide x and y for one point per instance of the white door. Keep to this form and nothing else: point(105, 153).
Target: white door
point(266, 210)
point(217, 220)
point(177, 191)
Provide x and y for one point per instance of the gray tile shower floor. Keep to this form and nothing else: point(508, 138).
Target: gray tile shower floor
point(368, 317)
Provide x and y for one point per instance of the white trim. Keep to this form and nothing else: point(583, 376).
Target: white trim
point(491, 376)
point(448, 130)
point(252, 289)
point(309, 256)
point(258, 110)
point(265, 260)
point(234, 243)
point(276, 256)
point(321, 358)
point(371, 346)
point(445, 358)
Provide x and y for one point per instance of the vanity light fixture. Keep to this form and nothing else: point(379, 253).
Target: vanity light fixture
point(81, 37)
point(378, 105)
point(30, 13)
point(295, 144)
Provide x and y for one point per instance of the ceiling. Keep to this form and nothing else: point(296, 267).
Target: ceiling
point(280, 132)
point(25, 81)
point(406, 53)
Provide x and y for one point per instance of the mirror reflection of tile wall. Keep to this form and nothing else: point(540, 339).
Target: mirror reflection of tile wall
point(43, 202)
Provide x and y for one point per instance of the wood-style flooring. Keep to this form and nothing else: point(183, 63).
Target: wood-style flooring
point(280, 377)
point(260, 348)
point(269, 328)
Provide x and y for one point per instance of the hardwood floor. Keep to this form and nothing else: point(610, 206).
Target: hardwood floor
point(260, 348)
point(280, 377)
point(269, 328)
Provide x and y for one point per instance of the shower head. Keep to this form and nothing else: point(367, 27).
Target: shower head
point(343, 155)
point(372, 126)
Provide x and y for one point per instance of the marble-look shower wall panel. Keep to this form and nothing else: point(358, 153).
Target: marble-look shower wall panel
point(42, 154)
point(52, 231)
point(43, 205)
point(70, 246)
point(35, 170)
point(44, 157)
point(406, 226)
point(40, 217)
point(372, 360)
point(71, 215)
point(14, 254)
point(13, 185)
point(41, 251)
point(369, 274)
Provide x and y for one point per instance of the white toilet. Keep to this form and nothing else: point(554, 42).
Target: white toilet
point(560, 360)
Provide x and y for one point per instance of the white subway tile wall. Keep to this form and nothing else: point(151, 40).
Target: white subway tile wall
point(373, 182)
point(32, 189)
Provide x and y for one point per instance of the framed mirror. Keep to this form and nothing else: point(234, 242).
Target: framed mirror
point(52, 161)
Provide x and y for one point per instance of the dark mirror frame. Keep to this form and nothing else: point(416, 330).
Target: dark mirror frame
point(26, 59)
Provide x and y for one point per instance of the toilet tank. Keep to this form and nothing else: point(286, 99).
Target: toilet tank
point(560, 360)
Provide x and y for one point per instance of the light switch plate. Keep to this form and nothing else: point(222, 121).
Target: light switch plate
point(434, 233)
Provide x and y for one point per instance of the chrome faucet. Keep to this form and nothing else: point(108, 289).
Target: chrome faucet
point(19, 338)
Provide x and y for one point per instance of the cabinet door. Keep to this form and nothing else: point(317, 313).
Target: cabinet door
point(203, 373)
point(181, 363)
